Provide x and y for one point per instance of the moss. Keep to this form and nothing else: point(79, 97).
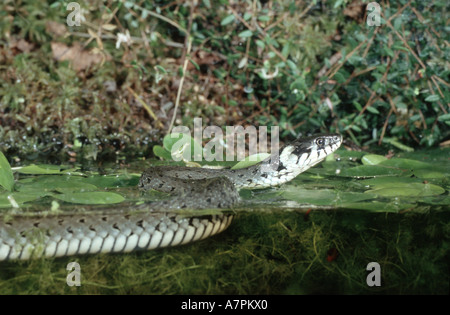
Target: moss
point(278, 253)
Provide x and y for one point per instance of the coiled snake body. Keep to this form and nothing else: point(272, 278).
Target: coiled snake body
point(162, 223)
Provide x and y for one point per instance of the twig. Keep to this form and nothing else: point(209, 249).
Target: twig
point(188, 44)
point(163, 18)
point(391, 102)
point(180, 87)
point(384, 127)
point(433, 93)
point(133, 38)
point(336, 69)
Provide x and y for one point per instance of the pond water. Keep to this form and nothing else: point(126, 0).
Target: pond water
point(316, 234)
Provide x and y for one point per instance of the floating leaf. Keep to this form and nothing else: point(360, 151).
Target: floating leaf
point(113, 181)
point(405, 163)
point(408, 190)
point(40, 169)
point(385, 182)
point(58, 183)
point(428, 173)
point(90, 198)
point(365, 171)
point(323, 196)
point(372, 159)
point(19, 198)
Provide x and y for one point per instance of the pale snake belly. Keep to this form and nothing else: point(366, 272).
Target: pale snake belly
point(162, 223)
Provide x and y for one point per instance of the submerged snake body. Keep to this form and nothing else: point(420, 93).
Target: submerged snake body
point(155, 225)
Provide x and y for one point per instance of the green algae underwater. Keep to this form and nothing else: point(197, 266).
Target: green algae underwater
point(314, 235)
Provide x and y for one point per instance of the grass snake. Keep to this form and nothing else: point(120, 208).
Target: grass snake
point(161, 223)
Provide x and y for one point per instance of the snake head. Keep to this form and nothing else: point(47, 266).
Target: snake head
point(320, 145)
point(305, 152)
point(295, 158)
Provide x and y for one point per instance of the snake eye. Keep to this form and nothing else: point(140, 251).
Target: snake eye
point(320, 142)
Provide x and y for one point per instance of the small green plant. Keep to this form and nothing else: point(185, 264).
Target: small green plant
point(6, 174)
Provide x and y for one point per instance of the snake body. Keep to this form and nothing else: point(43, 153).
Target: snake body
point(162, 223)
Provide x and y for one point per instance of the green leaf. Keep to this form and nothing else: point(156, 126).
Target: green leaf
point(409, 190)
point(40, 169)
point(405, 163)
point(428, 173)
point(207, 3)
point(444, 117)
point(397, 144)
point(373, 110)
point(322, 197)
point(6, 199)
point(365, 171)
point(227, 20)
point(91, 198)
point(245, 34)
point(162, 153)
point(339, 77)
point(55, 183)
point(194, 64)
point(260, 43)
point(386, 182)
point(432, 98)
point(128, 4)
point(160, 68)
point(372, 159)
point(388, 51)
point(6, 174)
point(189, 150)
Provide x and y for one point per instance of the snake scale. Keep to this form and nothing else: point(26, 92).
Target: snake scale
point(161, 223)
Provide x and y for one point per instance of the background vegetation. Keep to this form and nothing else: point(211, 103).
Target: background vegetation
point(72, 92)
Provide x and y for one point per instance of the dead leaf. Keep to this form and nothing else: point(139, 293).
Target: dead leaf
point(21, 45)
point(55, 28)
point(80, 58)
point(24, 46)
point(203, 58)
point(109, 27)
point(355, 10)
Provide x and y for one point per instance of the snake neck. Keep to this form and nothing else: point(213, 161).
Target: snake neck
point(283, 166)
